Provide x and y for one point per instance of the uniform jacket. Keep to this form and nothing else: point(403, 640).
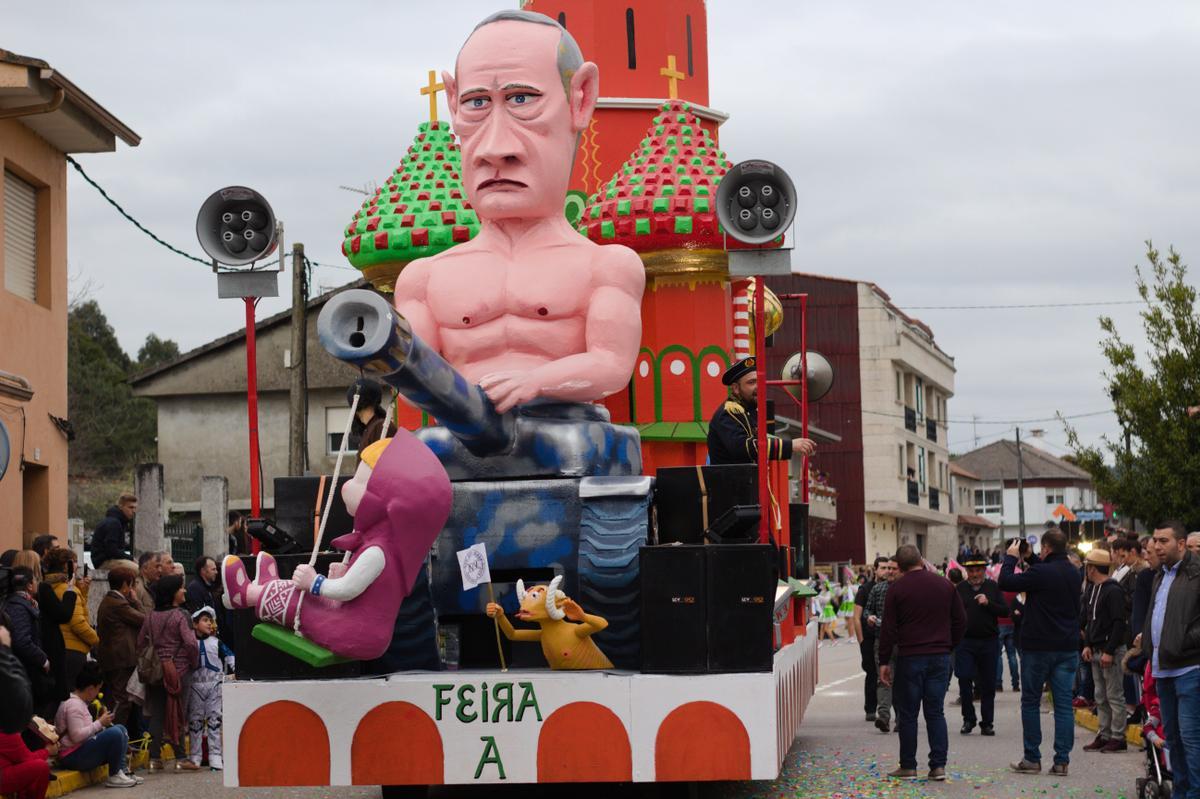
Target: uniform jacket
point(110, 537)
point(732, 437)
point(982, 619)
point(1180, 643)
point(118, 622)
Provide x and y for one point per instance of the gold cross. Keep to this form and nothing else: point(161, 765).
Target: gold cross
point(673, 76)
point(432, 90)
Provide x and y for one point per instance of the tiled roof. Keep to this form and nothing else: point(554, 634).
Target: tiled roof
point(998, 461)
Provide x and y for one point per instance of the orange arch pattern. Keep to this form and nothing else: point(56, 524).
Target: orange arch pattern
point(584, 742)
point(396, 744)
point(285, 744)
point(701, 741)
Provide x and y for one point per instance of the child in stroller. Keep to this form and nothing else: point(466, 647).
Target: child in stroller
point(1157, 782)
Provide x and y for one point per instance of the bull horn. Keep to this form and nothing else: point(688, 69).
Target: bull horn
point(520, 590)
point(552, 593)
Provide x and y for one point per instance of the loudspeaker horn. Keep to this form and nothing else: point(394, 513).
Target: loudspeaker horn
point(819, 378)
point(236, 226)
point(756, 201)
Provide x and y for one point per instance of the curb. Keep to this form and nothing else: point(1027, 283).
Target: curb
point(1087, 719)
point(70, 781)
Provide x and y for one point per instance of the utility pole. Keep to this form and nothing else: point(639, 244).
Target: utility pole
point(298, 386)
point(1020, 487)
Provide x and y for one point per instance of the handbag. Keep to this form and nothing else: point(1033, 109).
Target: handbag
point(149, 667)
point(136, 689)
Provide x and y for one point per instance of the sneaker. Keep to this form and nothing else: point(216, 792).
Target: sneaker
point(216, 763)
point(186, 765)
point(133, 777)
point(120, 780)
point(1096, 745)
point(1059, 770)
point(1025, 767)
point(937, 775)
point(881, 724)
point(1114, 745)
point(987, 729)
point(903, 774)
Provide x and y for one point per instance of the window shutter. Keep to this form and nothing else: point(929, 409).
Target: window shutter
point(20, 237)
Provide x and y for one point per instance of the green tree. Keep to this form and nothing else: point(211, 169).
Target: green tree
point(156, 352)
point(1151, 472)
point(113, 429)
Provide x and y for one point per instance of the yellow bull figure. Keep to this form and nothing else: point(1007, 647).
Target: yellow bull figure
point(564, 630)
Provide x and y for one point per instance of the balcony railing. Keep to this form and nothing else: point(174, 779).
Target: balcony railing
point(910, 419)
point(931, 429)
point(914, 493)
point(935, 499)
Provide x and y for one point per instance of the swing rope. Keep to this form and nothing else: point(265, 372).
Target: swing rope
point(337, 473)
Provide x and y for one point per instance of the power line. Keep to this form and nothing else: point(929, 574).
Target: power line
point(999, 421)
point(126, 214)
point(1022, 306)
point(331, 266)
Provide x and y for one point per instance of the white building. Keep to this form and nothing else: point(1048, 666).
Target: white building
point(907, 381)
point(1048, 483)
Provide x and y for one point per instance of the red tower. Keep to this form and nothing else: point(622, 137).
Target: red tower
point(648, 51)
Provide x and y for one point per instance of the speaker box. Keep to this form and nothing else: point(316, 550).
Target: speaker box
point(798, 522)
point(674, 639)
point(295, 506)
point(741, 581)
point(258, 661)
point(679, 501)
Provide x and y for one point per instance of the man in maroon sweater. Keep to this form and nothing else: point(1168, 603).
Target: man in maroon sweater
point(923, 620)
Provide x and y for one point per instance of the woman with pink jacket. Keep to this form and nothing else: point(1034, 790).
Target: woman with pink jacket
point(84, 744)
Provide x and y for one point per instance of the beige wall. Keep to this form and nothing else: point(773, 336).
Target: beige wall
point(33, 344)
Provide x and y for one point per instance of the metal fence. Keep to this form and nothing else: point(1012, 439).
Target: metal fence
point(186, 540)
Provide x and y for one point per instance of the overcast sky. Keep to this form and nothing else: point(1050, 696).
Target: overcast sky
point(955, 153)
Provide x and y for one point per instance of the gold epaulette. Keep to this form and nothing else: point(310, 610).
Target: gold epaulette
point(734, 407)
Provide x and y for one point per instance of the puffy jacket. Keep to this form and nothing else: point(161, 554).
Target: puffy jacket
point(56, 609)
point(1180, 642)
point(26, 635)
point(17, 708)
point(118, 622)
point(109, 538)
point(78, 634)
point(1050, 618)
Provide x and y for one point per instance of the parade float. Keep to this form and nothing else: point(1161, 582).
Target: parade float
point(549, 376)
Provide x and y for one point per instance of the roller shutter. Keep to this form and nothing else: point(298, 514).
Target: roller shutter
point(20, 237)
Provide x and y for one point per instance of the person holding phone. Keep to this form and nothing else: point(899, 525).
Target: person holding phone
point(79, 637)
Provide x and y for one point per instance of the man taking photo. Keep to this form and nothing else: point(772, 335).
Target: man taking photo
point(1049, 646)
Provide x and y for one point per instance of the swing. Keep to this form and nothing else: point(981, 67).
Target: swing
point(291, 642)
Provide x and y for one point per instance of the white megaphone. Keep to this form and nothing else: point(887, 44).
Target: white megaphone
point(819, 377)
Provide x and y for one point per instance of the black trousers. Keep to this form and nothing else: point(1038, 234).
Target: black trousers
point(975, 667)
point(866, 651)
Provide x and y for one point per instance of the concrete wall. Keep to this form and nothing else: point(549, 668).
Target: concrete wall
point(205, 435)
point(33, 344)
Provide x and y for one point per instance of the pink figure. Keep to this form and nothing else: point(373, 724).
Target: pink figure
point(400, 500)
point(528, 308)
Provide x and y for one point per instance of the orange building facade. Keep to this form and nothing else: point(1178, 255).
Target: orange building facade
point(43, 116)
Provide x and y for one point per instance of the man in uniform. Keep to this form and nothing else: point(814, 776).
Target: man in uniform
point(975, 659)
point(732, 433)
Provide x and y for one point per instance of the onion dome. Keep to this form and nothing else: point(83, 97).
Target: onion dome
point(420, 211)
point(664, 196)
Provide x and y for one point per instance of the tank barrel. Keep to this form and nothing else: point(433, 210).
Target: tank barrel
point(361, 328)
